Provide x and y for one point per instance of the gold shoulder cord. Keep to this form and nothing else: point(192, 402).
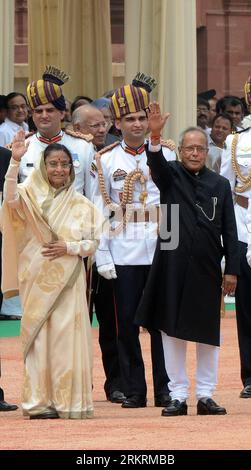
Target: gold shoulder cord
point(246, 180)
point(79, 135)
point(127, 195)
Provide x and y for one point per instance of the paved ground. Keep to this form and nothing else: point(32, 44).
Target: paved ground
point(117, 428)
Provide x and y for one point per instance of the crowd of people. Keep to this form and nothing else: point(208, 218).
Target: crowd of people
point(100, 213)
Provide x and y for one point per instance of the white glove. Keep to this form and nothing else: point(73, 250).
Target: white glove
point(248, 255)
point(108, 271)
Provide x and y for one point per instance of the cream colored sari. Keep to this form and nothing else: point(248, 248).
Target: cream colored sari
point(55, 328)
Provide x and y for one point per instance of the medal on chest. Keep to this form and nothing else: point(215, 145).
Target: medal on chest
point(75, 160)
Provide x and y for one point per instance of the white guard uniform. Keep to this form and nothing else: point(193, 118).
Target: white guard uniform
point(136, 244)
point(82, 155)
point(243, 154)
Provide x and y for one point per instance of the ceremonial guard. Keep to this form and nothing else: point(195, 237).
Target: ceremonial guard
point(122, 184)
point(236, 166)
point(48, 108)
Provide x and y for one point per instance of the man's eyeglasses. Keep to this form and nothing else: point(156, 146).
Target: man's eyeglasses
point(192, 148)
point(65, 166)
point(202, 110)
point(16, 107)
point(99, 125)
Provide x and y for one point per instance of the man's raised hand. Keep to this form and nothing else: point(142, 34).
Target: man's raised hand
point(156, 121)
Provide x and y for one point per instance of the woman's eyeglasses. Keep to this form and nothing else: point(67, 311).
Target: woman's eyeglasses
point(65, 166)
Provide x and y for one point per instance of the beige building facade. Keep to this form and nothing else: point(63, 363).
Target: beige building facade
point(223, 45)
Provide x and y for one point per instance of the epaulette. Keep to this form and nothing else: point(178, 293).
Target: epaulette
point(169, 143)
point(242, 130)
point(95, 167)
point(108, 147)
point(79, 135)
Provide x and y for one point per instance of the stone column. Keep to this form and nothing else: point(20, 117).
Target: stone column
point(160, 40)
point(76, 37)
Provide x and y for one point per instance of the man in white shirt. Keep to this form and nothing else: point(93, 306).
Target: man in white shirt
point(17, 112)
point(222, 125)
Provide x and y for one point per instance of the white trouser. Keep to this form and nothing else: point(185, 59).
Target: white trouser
point(175, 363)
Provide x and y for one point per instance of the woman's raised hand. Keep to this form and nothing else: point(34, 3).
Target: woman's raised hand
point(18, 146)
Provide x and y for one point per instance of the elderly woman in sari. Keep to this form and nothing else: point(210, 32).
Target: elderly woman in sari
point(47, 229)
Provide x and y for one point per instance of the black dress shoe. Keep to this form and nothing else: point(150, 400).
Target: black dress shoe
point(246, 392)
point(116, 397)
point(4, 406)
point(175, 408)
point(207, 406)
point(162, 400)
point(134, 401)
point(49, 415)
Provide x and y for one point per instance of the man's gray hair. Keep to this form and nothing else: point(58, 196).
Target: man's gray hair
point(77, 116)
point(80, 114)
point(191, 129)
